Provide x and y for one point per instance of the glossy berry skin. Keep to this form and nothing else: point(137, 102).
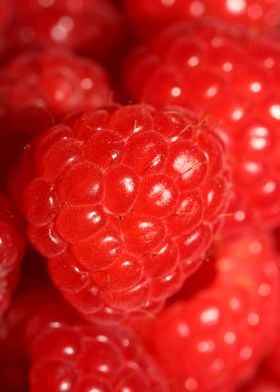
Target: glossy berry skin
point(12, 245)
point(124, 202)
point(221, 329)
point(91, 27)
point(255, 14)
point(55, 80)
point(88, 358)
point(42, 338)
point(200, 67)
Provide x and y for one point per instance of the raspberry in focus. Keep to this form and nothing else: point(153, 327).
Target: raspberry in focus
point(124, 202)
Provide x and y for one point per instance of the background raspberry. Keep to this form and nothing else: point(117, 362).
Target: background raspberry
point(231, 82)
point(223, 323)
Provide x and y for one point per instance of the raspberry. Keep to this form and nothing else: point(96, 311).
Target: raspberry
point(12, 246)
point(200, 67)
point(66, 351)
point(224, 322)
point(58, 81)
point(90, 357)
point(257, 14)
point(124, 202)
point(91, 27)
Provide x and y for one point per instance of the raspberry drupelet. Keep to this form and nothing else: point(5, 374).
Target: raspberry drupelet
point(231, 80)
point(59, 81)
point(223, 323)
point(124, 202)
point(12, 246)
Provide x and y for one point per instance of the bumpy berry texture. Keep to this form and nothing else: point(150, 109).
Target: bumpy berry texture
point(56, 80)
point(42, 336)
point(12, 245)
point(88, 358)
point(220, 329)
point(124, 202)
point(92, 27)
point(232, 82)
point(147, 16)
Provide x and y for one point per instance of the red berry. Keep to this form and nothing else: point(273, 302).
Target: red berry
point(88, 357)
point(91, 27)
point(67, 353)
point(147, 16)
point(231, 82)
point(12, 245)
point(222, 324)
point(58, 81)
point(124, 202)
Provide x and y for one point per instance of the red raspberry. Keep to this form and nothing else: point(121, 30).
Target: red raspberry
point(257, 14)
point(58, 81)
point(124, 202)
point(88, 26)
point(200, 67)
point(12, 247)
point(89, 358)
point(220, 333)
point(66, 351)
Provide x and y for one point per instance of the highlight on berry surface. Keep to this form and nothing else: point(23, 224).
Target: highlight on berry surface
point(45, 346)
point(257, 15)
point(124, 202)
point(231, 80)
point(57, 80)
point(90, 27)
point(224, 320)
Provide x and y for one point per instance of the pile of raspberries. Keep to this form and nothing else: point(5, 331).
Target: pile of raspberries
point(139, 195)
